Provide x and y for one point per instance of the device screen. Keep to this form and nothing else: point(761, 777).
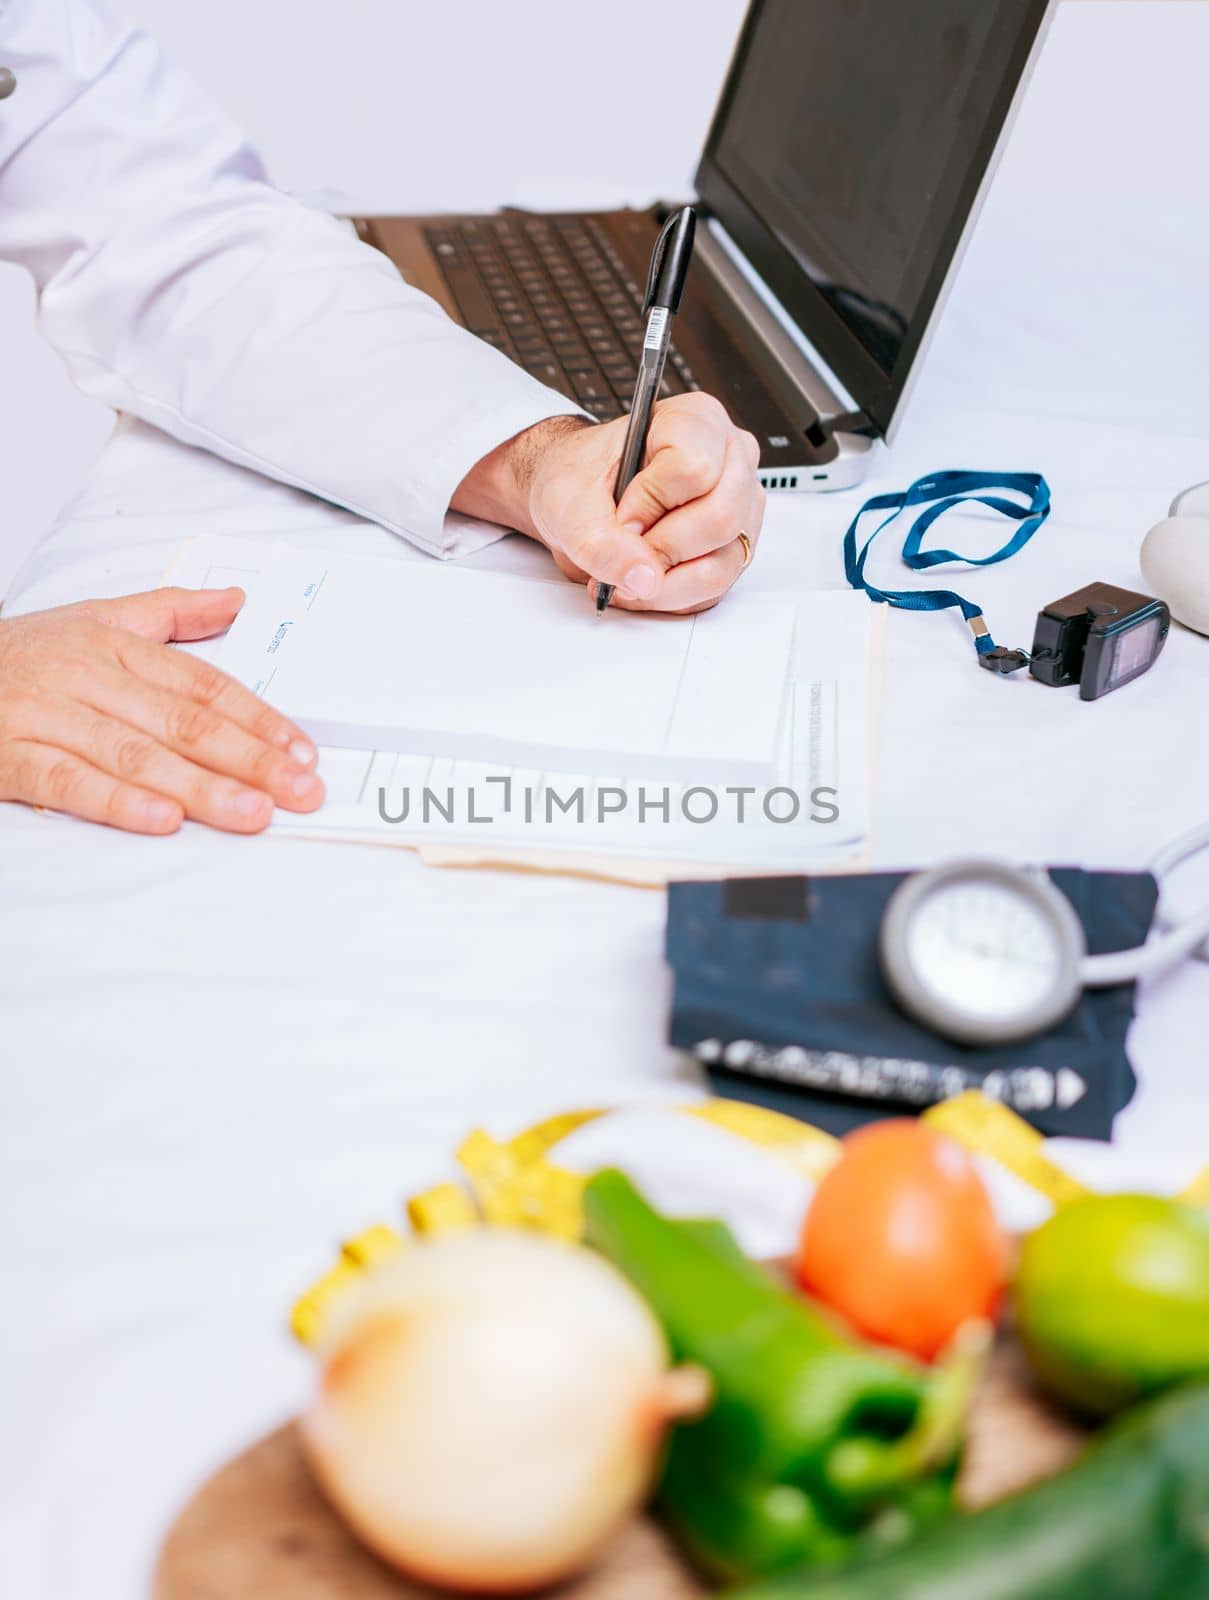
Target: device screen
point(1134, 650)
point(854, 131)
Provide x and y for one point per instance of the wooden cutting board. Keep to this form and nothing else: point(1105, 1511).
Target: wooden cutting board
point(260, 1529)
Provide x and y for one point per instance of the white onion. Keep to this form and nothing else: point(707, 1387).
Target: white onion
point(491, 1407)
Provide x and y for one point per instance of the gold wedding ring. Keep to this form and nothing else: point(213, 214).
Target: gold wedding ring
point(746, 543)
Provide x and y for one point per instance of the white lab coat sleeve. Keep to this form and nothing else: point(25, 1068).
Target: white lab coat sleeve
point(179, 285)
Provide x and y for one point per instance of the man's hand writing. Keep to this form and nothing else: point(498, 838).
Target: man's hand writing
point(673, 543)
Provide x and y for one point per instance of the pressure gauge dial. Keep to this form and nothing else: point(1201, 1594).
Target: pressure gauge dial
point(981, 952)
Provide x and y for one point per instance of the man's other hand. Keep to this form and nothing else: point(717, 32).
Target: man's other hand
point(101, 718)
point(673, 542)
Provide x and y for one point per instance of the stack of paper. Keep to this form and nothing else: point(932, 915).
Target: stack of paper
point(447, 661)
point(494, 718)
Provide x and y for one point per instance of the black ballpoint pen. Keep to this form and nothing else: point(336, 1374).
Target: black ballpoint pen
point(664, 286)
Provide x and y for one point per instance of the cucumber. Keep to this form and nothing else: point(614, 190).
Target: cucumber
point(1129, 1521)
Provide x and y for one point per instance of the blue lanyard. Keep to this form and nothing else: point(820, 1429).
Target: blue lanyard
point(940, 491)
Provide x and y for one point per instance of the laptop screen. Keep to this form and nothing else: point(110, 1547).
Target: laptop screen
point(846, 157)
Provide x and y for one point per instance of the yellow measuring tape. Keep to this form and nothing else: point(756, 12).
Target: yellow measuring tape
point(988, 1128)
point(358, 1256)
point(1197, 1192)
point(513, 1183)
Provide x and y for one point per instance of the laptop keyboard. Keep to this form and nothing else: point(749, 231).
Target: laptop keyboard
point(554, 294)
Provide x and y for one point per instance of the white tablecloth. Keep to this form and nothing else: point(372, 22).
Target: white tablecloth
point(220, 1055)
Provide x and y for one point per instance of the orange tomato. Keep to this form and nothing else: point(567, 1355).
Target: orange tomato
point(901, 1238)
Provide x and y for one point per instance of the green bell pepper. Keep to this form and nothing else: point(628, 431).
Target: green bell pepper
point(1129, 1521)
point(815, 1445)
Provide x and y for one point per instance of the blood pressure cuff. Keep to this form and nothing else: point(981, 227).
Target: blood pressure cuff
point(779, 995)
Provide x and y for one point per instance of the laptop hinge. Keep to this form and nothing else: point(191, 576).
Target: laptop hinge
point(850, 422)
point(770, 336)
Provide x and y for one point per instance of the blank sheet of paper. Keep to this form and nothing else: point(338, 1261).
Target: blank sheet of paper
point(442, 661)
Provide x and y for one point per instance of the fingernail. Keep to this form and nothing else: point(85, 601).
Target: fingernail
point(248, 803)
point(306, 783)
point(162, 813)
point(302, 751)
point(631, 527)
point(639, 583)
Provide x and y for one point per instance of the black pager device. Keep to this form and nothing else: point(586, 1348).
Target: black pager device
point(1099, 637)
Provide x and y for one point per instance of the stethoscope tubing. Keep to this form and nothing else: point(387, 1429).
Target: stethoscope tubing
point(1162, 864)
point(1178, 937)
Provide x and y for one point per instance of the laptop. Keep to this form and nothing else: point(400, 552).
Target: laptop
point(849, 152)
